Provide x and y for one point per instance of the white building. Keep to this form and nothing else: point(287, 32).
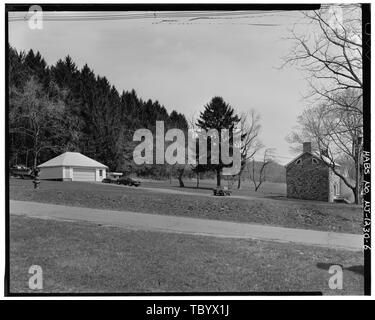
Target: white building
point(72, 166)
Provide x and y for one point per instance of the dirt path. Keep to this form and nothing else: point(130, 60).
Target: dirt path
point(187, 225)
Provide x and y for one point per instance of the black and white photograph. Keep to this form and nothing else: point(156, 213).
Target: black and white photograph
point(187, 150)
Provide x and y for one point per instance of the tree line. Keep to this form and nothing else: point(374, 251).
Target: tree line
point(58, 108)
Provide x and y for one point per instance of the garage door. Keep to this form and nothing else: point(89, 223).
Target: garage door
point(80, 174)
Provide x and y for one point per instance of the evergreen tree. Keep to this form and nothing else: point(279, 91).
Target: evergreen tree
point(91, 116)
point(217, 115)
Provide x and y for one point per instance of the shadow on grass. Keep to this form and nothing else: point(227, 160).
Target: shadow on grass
point(359, 269)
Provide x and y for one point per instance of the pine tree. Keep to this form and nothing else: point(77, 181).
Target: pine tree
point(93, 118)
point(217, 115)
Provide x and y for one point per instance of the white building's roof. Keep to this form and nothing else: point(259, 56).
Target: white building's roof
point(72, 159)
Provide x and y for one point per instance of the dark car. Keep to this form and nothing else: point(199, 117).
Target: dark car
point(21, 171)
point(128, 182)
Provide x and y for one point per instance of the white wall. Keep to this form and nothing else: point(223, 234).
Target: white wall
point(104, 175)
point(68, 173)
point(51, 173)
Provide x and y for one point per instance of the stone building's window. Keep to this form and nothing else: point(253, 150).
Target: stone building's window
point(299, 161)
point(315, 161)
point(336, 189)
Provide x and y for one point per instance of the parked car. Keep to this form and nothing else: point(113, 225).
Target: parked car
point(128, 182)
point(21, 171)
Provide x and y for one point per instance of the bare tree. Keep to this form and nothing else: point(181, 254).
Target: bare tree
point(336, 135)
point(249, 130)
point(179, 170)
point(329, 52)
point(258, 174)
point(194, 168)
point(36, 117)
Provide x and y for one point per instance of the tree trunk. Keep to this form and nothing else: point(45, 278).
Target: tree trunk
point(180, 174)
point(197, 180)
point(357, 195)
point(218, 177)
point(239, 178)
point(239, 181)
point(349, 185)
point(181, 182)
point(35, 159)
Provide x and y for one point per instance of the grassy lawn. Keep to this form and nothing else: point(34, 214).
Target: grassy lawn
point(206, 186)
point(84, 257)
point(287, 213)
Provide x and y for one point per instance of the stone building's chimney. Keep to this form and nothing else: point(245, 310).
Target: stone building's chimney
point(307, 147)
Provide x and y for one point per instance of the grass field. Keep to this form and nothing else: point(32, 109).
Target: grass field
point(268, 189)
point(263, 208)
point(84, 257)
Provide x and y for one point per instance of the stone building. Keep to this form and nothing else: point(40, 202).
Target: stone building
point(309, 178)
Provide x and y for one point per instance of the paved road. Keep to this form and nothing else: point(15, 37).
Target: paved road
point(207, 227)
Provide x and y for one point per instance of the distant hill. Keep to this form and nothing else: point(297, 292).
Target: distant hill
point(275, 172)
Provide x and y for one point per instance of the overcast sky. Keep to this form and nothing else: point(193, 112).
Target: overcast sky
point(184, 64)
